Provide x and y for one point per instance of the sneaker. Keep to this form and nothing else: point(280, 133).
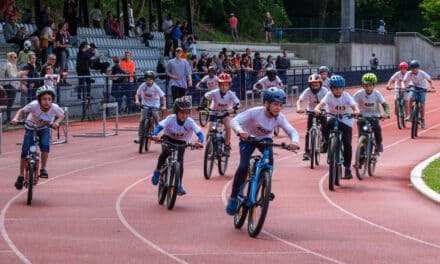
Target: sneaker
point(423, 124)
point(180, 190)
point(155, 178)
point(348, 175)
point(306, 155)
point(136, 140)
point(324, 146)
point(19, 182)
point(44, 174)
point(231, 208)
point(380, 148)
point(227, 150)
point(407, 119)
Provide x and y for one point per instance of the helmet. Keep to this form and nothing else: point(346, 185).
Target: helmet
point(315, 78)
point(370, 78)
point(274, 94)
point(403, 65)
point(149, 75)
point(45, 89)
point(337, 81)
point(211, 68)
point(271, 71)
point(414, 64)
point(224, 77)
point(324, 69)
point(183, 103)
point(27, 44)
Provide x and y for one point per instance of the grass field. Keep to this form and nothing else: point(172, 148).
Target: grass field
point(431, 175)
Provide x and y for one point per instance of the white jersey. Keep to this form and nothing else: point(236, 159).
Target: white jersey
point(39, 119)
point(150, 95)
point(340, 105)
point(255, 122)
point(221, 103)
point(418, 80)
point(369, 104)
point(326, 83)
point(313, 99)
point(179, 132)
point(397, 78)
point(211, 83)
point(266, 83)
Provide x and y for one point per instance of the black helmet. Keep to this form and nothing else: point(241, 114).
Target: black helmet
point(183, 103)
point(324, 69)
point(212, 69)
point(414, 64)
point(149, 75)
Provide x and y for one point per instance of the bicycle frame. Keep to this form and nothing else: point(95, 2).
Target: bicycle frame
point(32, 157)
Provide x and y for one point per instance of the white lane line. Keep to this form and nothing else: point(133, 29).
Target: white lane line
point(233, 253)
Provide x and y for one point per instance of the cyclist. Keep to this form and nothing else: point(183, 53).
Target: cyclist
point(368, 100)
point(340, 102)
point(270, 80)
point(211, 80)
point(149, 94)
point(178, 129)
point(260, 122)
point(41, 113)
point(324, 71)
point(418, 78)
point(222, 100)
point(397, 78)
point(313, 95)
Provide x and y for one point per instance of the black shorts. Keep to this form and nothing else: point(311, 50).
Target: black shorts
point(211, 117)
point(267, 29)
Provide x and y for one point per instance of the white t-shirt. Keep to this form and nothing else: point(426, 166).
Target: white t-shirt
point(313, 99)
point(418, 80)
point(211, 83)
point(51, 80)
point(39, 119)
point(255, 122)
point(369, 105)
point(397, 78)
point(150, 94)
point(179, 132)
point(326, 83)
point(266, 83)
point(340, 105)
point(220, 103)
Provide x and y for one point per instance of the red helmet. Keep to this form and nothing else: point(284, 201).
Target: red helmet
point(224, 77)
point(403, 65)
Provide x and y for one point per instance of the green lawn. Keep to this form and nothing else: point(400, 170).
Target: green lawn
point(431, 175)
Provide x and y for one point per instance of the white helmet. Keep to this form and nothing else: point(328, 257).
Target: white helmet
point(27, 44)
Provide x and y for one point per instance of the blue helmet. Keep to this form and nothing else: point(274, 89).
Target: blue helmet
point(414, 64)
point(337, 81)
point(274, 94)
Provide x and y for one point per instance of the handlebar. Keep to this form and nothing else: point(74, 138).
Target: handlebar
point(190, 145)
point(149, 107)
point(266, 143)
point(308, 112)
point(411, 89)
point(341, 116)
point(370, 118)
point(23, 122)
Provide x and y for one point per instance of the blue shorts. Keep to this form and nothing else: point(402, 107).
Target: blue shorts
point(421, 97)
point(44, 136)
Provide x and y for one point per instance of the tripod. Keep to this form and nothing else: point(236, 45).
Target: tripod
point(87, 109)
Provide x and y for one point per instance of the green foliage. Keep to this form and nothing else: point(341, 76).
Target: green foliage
point(431, 12)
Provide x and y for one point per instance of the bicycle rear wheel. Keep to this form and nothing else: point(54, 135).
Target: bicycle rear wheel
point(361, 160)
point(373, 159)
point(203, 117)
point(174, 185)
point(162, 188)
point(147, 136)
point(142, 136)
point(222, 162)
point(398, 113)
point(30, 185)
point(208, 161)
point(333, 164)
point(414, 120)
point(312, 147)
point(258, 211)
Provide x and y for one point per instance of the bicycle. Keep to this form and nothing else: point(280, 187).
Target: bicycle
point(366, 150)
point(414, 115)
point(147, 128)
point(315, 139)
point(214, 148)
point(335, 157)
point(204, 113)
point(255, 192)
point(170, 174)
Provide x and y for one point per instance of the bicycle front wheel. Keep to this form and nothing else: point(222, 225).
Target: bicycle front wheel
point(174, 185)
point(398, 112)
point(258, 211)
point(149, 130)
point(414, 121)
point(333, 163)
point(242, 212)
point(361, 160)
point(162, 188)
point(313, 152)
point(222, 163)
point(373, 159)
point(203, 117)
point(208, 161)
point(30, 185)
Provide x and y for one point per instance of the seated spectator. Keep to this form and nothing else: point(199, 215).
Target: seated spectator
point(51, 79)
point(14, 34)
point(115, 29)
point(202, 66)
point(192, 49)
point(107, 23)
point(10, 10)
point(23, 55)
point(96, 59)
point(141, 31)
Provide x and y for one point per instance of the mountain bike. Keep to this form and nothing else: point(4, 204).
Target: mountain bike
point(414, 115)
point(315, 139)
point(255, 192)
point(170, 174)
point(204, 113)
point(366, 150)
point(335, 157)
point(399, 106)
point(214, 148)
point(147, 128)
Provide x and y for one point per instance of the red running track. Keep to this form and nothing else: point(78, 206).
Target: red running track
point(99, 207)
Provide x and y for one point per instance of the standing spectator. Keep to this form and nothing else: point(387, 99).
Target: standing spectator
point(32, 69)
point(192, 48)
point(96, 15)
point(381, 30)
point(233, 23)
point(70, 15)
point(82, 69)
point(179, 71)
point(96, 59)
point(184, 28)
point(167, 25)
point(62, 40)
point(107, 23)
point(374, 62)
point(130, 17)
point(118, 80)
point(202, 66)
point(129, 66)
point(268, 22)
point(45, 17)
point(246, 69)
point(23, 55)
point(176, 34)
point(47, 39)
point(36, 48)
point(282, 65)
point(221, 63)
point(269, 62)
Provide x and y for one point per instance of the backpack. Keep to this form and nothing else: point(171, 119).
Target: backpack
point(375, 62)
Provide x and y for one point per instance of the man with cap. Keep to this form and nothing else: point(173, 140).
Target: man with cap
point(96, 59)
point(179, 72)
point(233, 22)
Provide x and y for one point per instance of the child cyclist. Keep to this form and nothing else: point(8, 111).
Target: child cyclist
point(178, 129)
point(324, 71)
point(313, 95)
point(368, 100)
point(210, 80)
point(259, 122)
point(340, 102)
point(149, 94)
point(270, 80)
point(418, 79)
point(41, 113)
point(397, 78)
point(222, 101)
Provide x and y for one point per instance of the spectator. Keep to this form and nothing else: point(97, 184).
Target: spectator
point(268, 22)
point(194, 62)
point(115, 29)
point(96, 15)
point(192, 49)
point(202, 66)
point(246, 69)
point(45, 17)
point(10, 10)
point(108, 20)
point(374, 62)
point(95, 60)
point(47, 39)
point(176, 34)
point(129, 66)
point(32, 69)
point(167, 25)
point(118, 80)
point(14, 34)
point(179, 71)
point(70, 15)
point(50, 78)
point(130, 16)
point(221, 63)
point(184, 29)
point(82, 69)
point(233, 23)
point(36, 48)
point(269, 62)
point(62, 41)
point(23, 55)
point(282, 65)
point(142, 31)
point(381, 30)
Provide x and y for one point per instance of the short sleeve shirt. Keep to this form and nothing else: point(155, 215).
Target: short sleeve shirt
point(397, 78)
point(211, 83)
point(340, 105)
point(39, 119)
point(179, 132)
point(221, 103)
point(418, 80)
point(313, 99)
point(180, 68)
point(369, 104)
point(266, 83)
point(150, 95)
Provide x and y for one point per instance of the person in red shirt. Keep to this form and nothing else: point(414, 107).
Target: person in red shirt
point(233, 22)
point(129, 66)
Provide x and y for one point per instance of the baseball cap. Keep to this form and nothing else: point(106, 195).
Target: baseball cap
point(179, 49)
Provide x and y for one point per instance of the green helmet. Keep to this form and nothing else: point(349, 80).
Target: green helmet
point(369, 78)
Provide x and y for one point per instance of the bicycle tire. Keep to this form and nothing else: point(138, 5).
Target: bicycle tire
point(175, 182)
point(208, 160)
point(147, 137)
point(242, 212)
point(142, 136)
point(203, 117)
point(162, 188)
point(414, 121)
point(373, 159)
point(318, 148)
point(30, 185)
point(255, 220)
point(398, 114)
point(222, 162)
point(333, 164)
point(312, 148)
point(361, 158)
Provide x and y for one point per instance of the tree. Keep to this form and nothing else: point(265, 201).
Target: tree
point(431, 12)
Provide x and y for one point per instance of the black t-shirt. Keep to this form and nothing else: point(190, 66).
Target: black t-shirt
point(118, 70)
